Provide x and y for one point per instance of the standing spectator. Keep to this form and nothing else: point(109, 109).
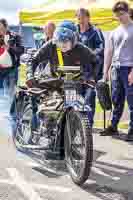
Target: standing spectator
point(131, 13)
point(12, 43)
point(49, 30)
point(119, 57)
point(93, 38)
point(45, 34)
point(130, 78)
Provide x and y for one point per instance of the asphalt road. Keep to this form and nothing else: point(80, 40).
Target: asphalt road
point(24, 178)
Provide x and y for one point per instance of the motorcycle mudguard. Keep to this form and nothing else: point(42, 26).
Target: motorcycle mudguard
point(77, 102)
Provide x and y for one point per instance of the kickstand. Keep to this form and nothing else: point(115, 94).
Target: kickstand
point(104, 118)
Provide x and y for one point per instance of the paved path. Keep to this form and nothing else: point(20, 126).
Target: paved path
point(22, 178)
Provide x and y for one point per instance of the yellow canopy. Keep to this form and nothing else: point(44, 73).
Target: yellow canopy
point(58, 10)
point(40, 17)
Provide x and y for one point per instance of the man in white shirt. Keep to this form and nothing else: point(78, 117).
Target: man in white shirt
point(119, 56)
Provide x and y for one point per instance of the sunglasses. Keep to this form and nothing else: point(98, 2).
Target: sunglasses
point(120, 13)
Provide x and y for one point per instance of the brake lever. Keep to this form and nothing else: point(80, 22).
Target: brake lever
point(91, 84)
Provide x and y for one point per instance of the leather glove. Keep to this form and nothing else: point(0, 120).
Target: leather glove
point(30, 83)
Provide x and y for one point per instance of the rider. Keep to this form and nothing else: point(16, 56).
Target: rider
point(73, 52)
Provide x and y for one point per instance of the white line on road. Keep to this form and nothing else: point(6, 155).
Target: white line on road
point(6, 182)
point(25, 187)
point(103, 166)
point(90, 182)
point(100, 172)
point(32, 164)
point(51, 188)
point(128, 164)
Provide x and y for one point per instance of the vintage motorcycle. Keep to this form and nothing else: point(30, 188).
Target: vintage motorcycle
point(61, 118)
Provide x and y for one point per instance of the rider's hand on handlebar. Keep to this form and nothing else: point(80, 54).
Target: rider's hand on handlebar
point(91, 83)
point(30, 83)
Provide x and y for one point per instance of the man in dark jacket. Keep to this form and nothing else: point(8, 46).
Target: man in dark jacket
point(73, 53)
point(13, 44)
point(93, 38)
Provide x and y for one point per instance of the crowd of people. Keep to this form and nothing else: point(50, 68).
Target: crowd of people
point(81, 44)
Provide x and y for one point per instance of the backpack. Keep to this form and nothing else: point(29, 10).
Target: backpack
point(103, 94)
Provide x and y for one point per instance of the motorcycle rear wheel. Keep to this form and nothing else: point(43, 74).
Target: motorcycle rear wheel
point(22, 133)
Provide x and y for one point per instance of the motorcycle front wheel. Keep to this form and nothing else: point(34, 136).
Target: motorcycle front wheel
point(78, 143)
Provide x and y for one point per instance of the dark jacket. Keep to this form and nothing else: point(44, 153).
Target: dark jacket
point(79, 55)
point(16, 49)
point(94, 39)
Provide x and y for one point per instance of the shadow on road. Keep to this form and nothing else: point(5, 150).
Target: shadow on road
point(110, 181)
point(115, 182)
point(107, 193)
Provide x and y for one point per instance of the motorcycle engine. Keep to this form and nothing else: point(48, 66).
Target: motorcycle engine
point(48, 115)
point(50, 102)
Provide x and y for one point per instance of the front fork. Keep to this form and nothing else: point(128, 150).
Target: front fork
point(35, 117)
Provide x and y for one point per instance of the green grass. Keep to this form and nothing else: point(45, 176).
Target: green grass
point(100, 123)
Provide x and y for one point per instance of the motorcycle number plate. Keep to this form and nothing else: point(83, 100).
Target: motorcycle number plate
point(70, 95)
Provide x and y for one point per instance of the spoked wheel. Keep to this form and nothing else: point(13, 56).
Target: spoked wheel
point(78, 146)
point(23, 130)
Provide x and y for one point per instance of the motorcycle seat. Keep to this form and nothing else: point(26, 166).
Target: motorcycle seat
point(51, 83)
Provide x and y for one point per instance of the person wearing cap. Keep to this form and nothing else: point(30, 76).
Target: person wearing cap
point(119, 58)
point(93, 38)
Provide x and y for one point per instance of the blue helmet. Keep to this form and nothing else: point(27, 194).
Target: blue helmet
point(70, 25)
point(62, 35)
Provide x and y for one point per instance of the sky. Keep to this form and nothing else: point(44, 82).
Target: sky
point(9, 8)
